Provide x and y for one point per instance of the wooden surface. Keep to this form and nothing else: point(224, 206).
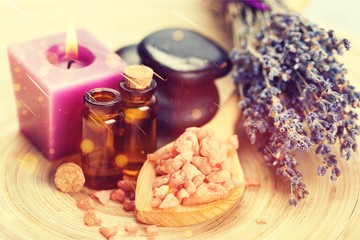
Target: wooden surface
point(31, 207)
point(194, 214)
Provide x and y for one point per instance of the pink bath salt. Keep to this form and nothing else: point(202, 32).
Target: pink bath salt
point(177, 179)
point(118, 195)
point(233, 182)
point(251, 182)
point(108, 232)
point(219, 177)
point(187, 155)
point(229, 185)
point(169, 201)
point(86, 203)
point(159, 170)
point(103, 196)
point(212, 148)
point(196, 170)
point(226, 165)
point(131, 195)
point(191, 171)
point(171, 165)
point(193, 130)
point(202, 163)
point(237, 182)
point(160, 192)
point(190, 186)
point(155, 202)
point(206, 192)
point(127, 185)
point(161, 154)
point(199, 179)
point(205, 132)
point(151, 231)
point(182, 194)
point(161, 180)
point(175, 190)
point(129, 205)
point(130, 226)
point(232, 143)
point(187, 145)
point(90, 219)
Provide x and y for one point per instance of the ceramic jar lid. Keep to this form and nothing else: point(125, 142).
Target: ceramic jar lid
point(184, 56)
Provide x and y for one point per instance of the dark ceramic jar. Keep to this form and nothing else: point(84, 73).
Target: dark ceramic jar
point(185, 64)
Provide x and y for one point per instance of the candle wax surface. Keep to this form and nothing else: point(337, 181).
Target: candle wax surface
point(50, 97)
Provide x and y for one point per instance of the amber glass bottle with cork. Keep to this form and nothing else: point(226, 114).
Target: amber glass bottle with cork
point(139, 107)
point(102, 138)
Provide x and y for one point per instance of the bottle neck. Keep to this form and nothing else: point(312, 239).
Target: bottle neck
point(137, 95)
point(102, 101)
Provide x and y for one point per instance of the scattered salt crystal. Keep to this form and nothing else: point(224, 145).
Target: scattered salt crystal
point(108, 232)
point(152, 230)
point(90, 218)
point(127, 185)
point(252, 182)
point(131, 226)
point(131, 195)
point(103, 196)
point(118, 195)
point(128, 205)
point(86, 203)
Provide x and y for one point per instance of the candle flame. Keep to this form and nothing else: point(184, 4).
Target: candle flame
point(71, 51)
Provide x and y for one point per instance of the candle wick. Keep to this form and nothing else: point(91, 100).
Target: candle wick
point(71, 62)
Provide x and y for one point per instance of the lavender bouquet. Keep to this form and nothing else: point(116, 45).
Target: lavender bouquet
point(293, 90)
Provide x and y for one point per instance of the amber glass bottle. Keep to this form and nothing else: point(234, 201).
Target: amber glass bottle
point(102, 138)
point(139, 107)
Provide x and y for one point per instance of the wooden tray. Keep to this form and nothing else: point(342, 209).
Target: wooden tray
point(32, 208)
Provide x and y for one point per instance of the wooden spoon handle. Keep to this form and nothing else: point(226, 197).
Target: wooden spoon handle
point(224, 122)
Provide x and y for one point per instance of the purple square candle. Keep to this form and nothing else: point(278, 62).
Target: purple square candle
point(49, 96)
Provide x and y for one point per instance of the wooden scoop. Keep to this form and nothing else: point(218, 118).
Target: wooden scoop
point(223, 124)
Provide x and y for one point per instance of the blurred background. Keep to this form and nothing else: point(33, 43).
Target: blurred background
point(117, 23)
point(342, 15)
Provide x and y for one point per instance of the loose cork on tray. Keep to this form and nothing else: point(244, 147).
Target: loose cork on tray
point(138, 76)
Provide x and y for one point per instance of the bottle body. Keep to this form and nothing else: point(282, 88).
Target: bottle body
point(139, 108)
point(102, 139)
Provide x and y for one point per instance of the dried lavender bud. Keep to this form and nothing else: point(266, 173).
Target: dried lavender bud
point(289, 80)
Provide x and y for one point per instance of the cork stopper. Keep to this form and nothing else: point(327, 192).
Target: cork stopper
point(138, 76)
